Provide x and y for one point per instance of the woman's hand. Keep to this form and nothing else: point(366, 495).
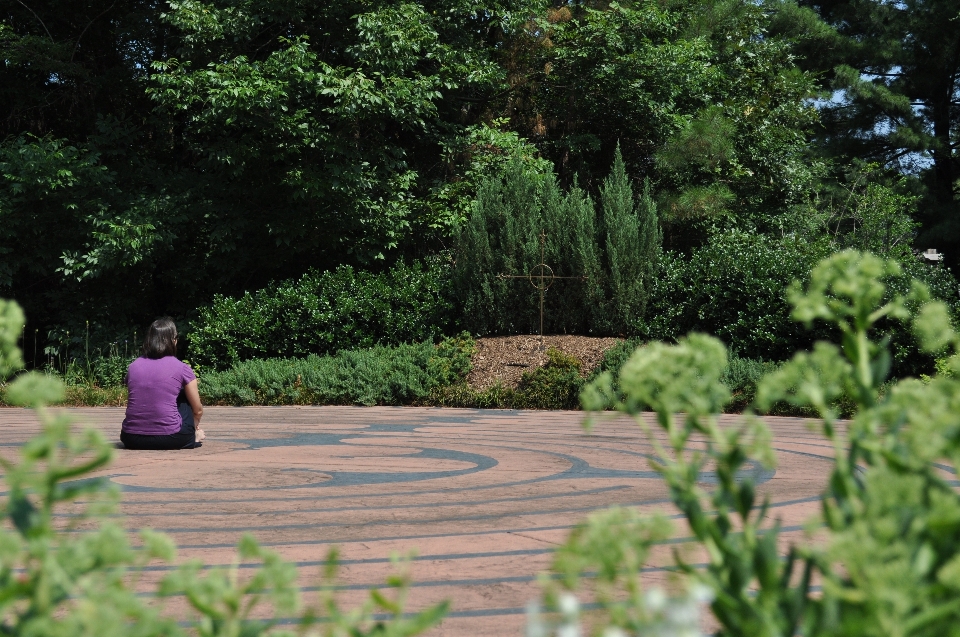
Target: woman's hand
point(193, 397)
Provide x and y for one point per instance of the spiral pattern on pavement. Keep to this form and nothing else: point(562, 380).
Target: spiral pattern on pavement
point(483, 496)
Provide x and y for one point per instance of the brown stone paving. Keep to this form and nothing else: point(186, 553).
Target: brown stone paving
point(483, 496)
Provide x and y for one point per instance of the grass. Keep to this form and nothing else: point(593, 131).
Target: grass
point(90, 396)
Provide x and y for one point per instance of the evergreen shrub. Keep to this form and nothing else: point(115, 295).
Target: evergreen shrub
point(614, 358)
point(556, 385)
point(740, 376)
point(323, 313)
point(616, 252)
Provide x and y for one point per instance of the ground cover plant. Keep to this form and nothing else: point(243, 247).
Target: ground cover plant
point(420, 373)
point(555, 385)
point(398, 375)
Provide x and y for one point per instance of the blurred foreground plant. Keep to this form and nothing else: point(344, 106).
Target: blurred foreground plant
point(886, 557)
point(81, 579)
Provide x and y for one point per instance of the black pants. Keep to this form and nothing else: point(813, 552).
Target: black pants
point(183, 439)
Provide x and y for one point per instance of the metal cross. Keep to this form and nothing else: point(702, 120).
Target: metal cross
point(541, 277)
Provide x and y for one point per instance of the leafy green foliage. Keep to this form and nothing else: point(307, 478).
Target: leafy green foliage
point(11, 317)
point(685, 379)
point(866, 211)
point(158, 156)
point(57, 583)
point(733, 288)
point(323, 313)
point(377, 376)
point(887, 554)
point(885, 477)
point(742, 376)
point(146, 143)
point(482, 152)
point(893, 70)
point(882, 223)
point(83, 579)
point(909, 359)
point(451, 362)
point(614, 358)
point(697, 94)
point(311, 110)
point(605, 554)
point(380, 615)
point(101, 371)
point(33, 389)
point(556, 385)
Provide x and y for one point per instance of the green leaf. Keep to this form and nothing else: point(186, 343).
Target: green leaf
point(34, 389)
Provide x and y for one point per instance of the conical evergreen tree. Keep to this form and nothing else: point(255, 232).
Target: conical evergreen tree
point(632, 242)
point(502, 236)
point(651, 241)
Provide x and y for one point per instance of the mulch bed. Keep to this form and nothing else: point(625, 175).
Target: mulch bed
point(506, 358)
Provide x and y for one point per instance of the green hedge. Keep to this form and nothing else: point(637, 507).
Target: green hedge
point(735, 289)
point(323, 313)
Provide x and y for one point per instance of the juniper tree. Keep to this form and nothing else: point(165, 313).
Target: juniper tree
point(632, 243)
point(501, 236)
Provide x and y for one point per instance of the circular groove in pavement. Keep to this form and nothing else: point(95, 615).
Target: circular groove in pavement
point(483, 496)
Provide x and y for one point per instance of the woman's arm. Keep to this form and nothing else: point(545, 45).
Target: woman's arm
point(193, 397)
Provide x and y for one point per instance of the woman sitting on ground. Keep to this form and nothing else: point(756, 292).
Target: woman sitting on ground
point(163, 408)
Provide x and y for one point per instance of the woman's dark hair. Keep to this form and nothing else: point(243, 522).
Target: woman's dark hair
point(161, 339)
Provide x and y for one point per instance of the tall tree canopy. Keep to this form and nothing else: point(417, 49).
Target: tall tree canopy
point(176, 149)
point(894, 69)
point(697, 94)
point(154, 153)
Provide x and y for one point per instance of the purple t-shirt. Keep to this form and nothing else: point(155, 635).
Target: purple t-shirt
point(154, 385)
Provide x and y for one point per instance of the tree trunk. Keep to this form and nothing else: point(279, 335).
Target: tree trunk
point(940, 105)
point(943, 168)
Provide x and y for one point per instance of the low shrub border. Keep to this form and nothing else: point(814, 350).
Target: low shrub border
point(415, 374)
point(324, 313)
